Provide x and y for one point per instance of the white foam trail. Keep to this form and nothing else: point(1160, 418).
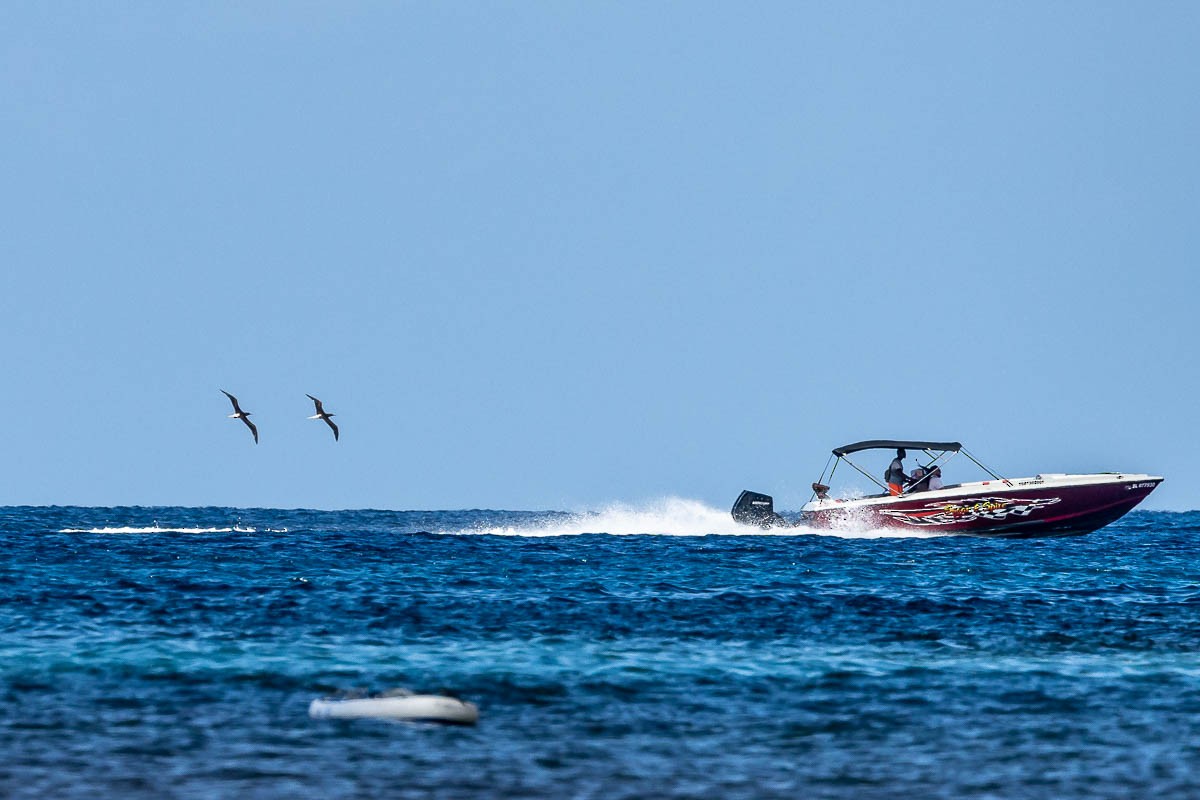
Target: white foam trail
point(673, 516)
point(157, 529)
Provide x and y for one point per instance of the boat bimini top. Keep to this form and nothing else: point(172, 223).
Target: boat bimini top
point(939, 452)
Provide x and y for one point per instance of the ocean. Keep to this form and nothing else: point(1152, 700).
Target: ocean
point(656, 652)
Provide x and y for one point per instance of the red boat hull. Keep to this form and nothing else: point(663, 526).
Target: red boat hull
point(1023, 508)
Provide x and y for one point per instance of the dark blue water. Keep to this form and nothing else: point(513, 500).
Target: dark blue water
point(180, 663)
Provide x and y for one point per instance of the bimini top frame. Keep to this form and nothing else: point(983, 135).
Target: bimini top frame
point(935, 450)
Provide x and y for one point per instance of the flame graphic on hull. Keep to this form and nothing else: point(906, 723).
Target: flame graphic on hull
point(987, 508)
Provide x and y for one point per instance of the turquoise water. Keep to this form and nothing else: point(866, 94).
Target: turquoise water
point(172, 652)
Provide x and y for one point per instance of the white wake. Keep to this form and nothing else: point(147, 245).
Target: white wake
point(673, 516)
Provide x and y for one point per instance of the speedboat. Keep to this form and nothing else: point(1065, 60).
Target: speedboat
point(1049, 504)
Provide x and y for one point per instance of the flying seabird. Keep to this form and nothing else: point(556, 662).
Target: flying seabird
point(322, 415)
point(244, 416)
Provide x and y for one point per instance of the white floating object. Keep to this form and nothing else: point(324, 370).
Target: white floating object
point(409, 707)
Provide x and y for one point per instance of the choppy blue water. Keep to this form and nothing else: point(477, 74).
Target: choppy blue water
point(173, 652)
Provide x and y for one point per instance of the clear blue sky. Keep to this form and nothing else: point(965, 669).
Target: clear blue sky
point(556, 255)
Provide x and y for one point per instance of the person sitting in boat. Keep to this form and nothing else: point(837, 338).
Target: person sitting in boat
point(918, 478)
point(935, 479)
point(895, 477)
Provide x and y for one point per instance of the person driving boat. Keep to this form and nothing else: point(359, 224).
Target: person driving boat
point(895, 477)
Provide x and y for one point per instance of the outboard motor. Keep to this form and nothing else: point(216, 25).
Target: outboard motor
point(753, 508)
